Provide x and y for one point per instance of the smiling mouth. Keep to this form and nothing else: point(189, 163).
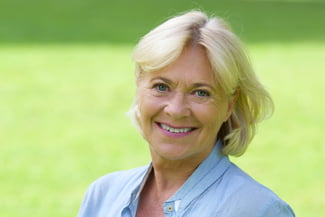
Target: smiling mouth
point(176, 130)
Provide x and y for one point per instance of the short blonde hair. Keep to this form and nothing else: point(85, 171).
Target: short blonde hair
point(164, 44)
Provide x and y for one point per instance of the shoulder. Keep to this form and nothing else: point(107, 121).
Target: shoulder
point(246, 186)
point(119, 178)
point(250, 198)
point(114, 187)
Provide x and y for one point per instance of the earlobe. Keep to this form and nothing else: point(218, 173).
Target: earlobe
point(234, 98)
point(235, 95)
point(232, 103)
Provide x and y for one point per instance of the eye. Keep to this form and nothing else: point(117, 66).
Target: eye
point(201, 93)
point(161, 87)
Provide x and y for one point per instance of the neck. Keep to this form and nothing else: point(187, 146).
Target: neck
point(165, 182)
point(169, 175)
point(173, 171)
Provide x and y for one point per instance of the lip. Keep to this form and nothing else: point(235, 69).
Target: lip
point(172, 134)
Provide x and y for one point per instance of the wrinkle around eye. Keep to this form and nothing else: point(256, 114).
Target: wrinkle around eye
point(206, 92)
point(161, 87)
point(157, 93)
point(211, 99)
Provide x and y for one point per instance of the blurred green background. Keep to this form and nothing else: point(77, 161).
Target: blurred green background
point(66, 81)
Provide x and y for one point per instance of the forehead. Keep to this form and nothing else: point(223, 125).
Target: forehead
point(192, 66)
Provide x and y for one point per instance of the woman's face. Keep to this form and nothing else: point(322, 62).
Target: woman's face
point(182, 107)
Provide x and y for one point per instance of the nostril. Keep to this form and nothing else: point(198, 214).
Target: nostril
point(177, 111)
point(176, 106)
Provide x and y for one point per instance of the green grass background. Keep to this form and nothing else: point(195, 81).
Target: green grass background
point(66, 81)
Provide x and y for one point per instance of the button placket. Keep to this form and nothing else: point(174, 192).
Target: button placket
point(170, 208)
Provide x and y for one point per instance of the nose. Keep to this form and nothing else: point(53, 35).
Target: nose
point(177, 106)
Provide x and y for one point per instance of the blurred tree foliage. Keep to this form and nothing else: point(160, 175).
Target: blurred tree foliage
point(122, 21)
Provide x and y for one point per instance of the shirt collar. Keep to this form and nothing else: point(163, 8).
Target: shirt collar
point(209, 171)
point(143, 182)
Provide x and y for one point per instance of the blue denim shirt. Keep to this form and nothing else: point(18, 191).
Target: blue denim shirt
point(217, 188)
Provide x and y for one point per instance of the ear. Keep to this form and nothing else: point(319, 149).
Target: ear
point(232, 103)
point(137, 81)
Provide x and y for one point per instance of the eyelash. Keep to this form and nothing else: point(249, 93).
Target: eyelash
point(165, 87)
point(206, 93)
point(159, 85)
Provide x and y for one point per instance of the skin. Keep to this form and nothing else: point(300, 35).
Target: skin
point(183, 96)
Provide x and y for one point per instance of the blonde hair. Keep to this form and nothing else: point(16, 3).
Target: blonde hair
point(164, 44)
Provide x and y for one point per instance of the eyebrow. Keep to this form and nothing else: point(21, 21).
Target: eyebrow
point(195, 85)
point(163, 79)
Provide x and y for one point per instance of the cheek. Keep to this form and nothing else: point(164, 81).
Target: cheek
point(148, 105)
point(211, 115)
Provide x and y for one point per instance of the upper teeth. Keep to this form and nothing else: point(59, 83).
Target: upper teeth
point(174, 130)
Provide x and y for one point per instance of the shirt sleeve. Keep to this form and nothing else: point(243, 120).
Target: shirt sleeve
point(82, 209)
point(91, 203)
point(277, 208)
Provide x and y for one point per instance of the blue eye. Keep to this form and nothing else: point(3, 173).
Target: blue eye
point(161, 87)
point(202, 93)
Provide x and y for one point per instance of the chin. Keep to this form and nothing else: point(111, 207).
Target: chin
point(173, 153)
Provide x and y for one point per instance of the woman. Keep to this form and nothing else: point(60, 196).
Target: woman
point(198, 101)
